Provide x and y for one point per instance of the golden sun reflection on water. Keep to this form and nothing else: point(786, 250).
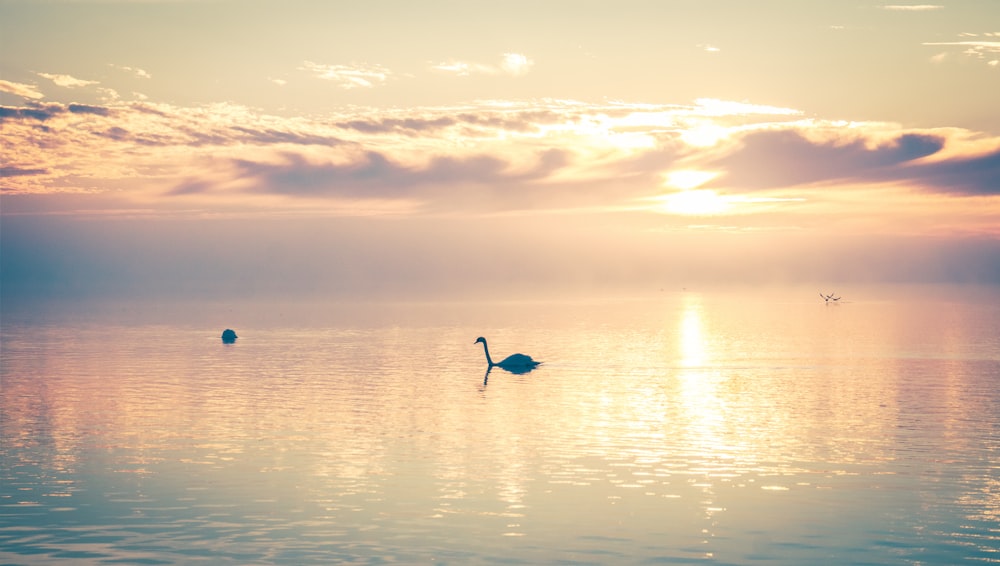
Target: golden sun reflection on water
point(699, 395)
point(692, 344)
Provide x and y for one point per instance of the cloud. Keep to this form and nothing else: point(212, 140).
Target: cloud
point(470, 123)
point(973, 47)
point(17, 172)
point(939, 58)
point(539, 153)
point(464, 69)
point(414, 124)
point(789, 158)
point(973, 175)
point(22, 90)
point(140, 73)
point(542, 154)
point(783, 158)
point(370, 174)
point(273, 136)
point(40, 112)
point(516, 63)
point(66, 81)
point(911, 7)
point(348, 76)
point(88, 109)
point(988, 50)
point(715, 107)
point(513, 64)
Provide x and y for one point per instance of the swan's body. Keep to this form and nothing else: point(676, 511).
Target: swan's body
point(514, 363)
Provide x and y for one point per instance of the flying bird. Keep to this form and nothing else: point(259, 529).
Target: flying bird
point(830, 297)
point(514, 363)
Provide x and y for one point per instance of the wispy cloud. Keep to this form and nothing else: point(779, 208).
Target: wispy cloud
point(716, 107)
point(975, 47)
point(514, 64)
point(66, 81)
point(911, 7)
point(22, 90)
point(986, 49)
point(348, 76)
point(463, 68)
point(140, 73)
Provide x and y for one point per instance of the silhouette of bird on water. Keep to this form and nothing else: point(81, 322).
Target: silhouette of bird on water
point(514, 363)
point(829, 297)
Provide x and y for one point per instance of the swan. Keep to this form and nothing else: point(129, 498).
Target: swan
point(514, 363)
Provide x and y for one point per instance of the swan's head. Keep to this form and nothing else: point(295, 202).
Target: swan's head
point(480, 339)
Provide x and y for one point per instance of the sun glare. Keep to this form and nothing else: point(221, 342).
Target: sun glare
point(689, 179)
point(692, 339)
point(700, 202)
point(690, 199)
point(705, 135)
point(515, 63)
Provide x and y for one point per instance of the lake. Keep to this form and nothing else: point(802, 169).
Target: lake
point(709, 427)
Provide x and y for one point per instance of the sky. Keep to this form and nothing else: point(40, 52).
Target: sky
point(185, 148)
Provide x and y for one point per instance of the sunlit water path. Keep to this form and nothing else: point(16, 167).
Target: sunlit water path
point(685, 427)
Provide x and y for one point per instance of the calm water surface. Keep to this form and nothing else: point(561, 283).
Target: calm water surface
point(686, 427)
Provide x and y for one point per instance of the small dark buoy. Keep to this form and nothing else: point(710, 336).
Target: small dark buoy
point(228, 336)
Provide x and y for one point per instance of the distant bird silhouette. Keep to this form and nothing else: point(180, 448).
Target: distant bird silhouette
point(829, 297)
point(514, 363)
point(229, 336)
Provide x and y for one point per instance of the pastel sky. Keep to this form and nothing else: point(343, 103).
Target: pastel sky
point(181, 147)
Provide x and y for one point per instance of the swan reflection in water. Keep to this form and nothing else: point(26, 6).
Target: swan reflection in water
point(514, 363)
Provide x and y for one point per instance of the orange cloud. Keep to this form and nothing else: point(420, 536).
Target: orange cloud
point(348, 76)
point(514, 64)
point(66, 81)
point(18, 89)
point(546, 155)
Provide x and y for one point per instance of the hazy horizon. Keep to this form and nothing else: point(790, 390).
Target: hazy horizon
point(424, 259)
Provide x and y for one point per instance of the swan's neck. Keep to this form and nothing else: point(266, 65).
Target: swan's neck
point(486, 349)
